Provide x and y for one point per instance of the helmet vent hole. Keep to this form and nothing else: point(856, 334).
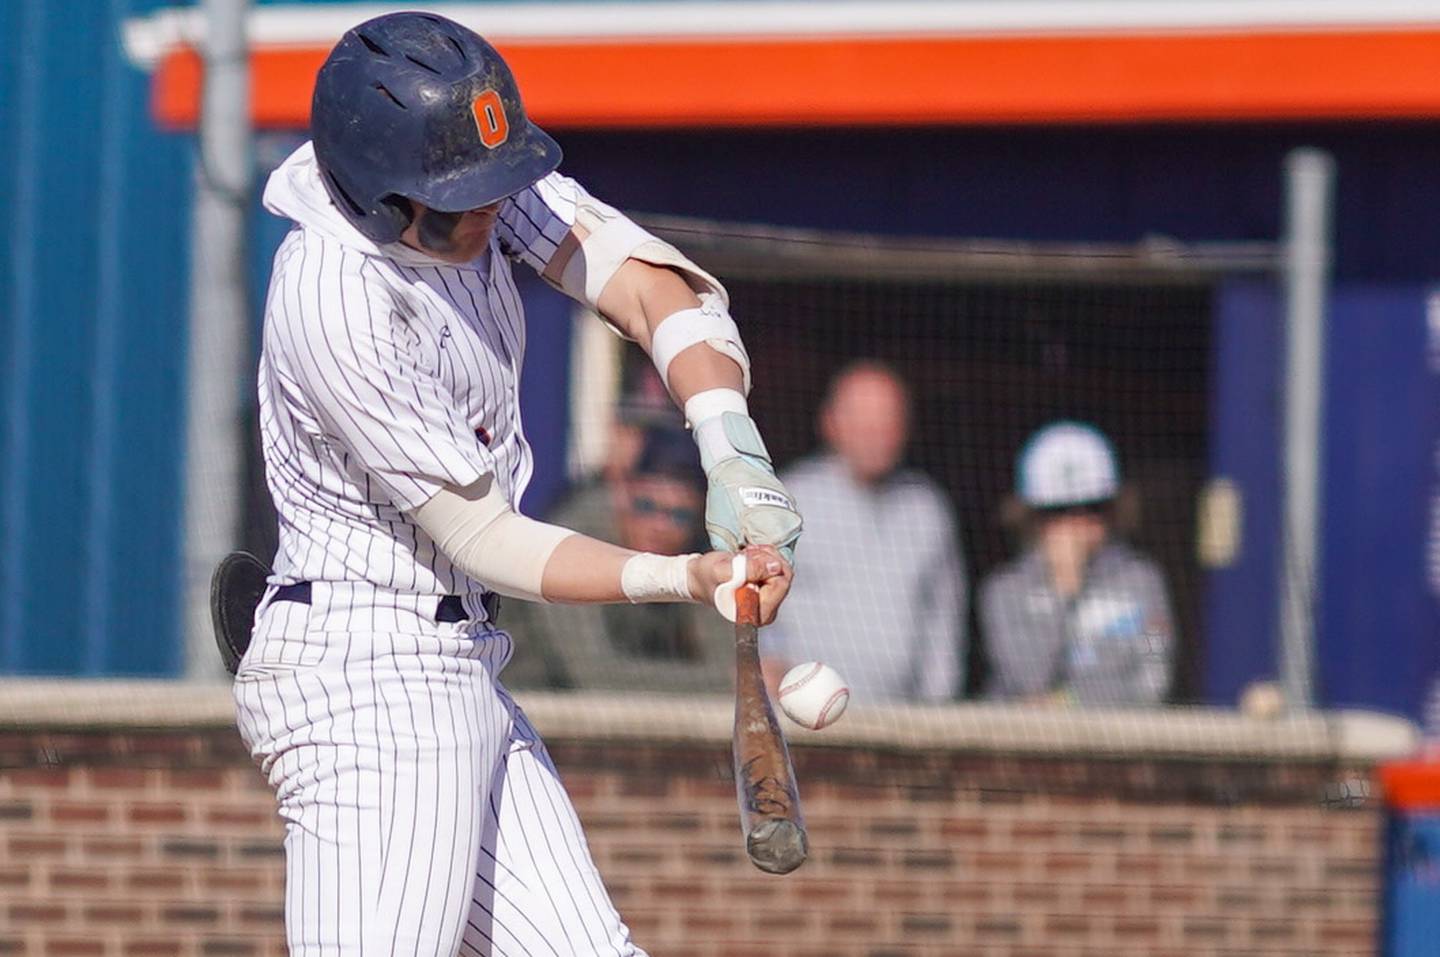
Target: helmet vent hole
point(385, 92)
point(422, 64)
point(373, 47)
point(459, 51)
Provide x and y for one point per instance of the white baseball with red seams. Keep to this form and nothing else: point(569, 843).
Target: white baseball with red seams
point(813, 695)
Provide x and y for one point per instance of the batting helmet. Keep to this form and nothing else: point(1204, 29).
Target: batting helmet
point(414, 105)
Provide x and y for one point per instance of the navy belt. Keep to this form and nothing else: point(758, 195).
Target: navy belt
point(450, 609)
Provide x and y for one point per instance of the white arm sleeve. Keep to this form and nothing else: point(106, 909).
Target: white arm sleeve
point(488, 540)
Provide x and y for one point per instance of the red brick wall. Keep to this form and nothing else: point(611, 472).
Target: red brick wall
point(166, 844)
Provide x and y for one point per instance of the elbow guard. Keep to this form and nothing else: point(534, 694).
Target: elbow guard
point(612, 239)
point(709, 323)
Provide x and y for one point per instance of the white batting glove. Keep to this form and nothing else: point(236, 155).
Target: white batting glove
point(745, 503)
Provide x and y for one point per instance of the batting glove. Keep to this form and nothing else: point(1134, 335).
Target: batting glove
point(745, 504)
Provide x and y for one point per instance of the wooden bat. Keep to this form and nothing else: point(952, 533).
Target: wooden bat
point(764, 779)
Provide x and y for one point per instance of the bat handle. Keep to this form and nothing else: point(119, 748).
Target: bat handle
point(747, 605)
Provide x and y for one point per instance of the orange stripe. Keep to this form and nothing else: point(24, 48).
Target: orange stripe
point(1411, 785)
point(1033, 79)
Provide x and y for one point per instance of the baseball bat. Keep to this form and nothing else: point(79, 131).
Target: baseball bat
point(764, 778)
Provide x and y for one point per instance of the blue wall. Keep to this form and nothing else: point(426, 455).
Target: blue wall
point(92, 286)
point(1241, 616)
point(1377, 588)
point(1379, 610)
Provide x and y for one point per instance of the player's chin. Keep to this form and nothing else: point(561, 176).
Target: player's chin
point(471, 248)
point(469, 243)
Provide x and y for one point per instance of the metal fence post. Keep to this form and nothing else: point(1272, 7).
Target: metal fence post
point(219, 324)
point(1309, 192)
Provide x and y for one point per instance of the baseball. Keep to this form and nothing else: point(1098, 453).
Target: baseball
point(1263, 700)
point(813, 695)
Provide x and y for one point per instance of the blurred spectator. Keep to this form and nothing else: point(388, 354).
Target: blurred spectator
point(659, 507)
point(1078, 616)
point(879, 590)
point(591, 506)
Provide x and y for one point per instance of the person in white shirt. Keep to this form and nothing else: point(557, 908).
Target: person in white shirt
point(882, 592)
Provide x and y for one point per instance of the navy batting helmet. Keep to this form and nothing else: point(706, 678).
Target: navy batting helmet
point(414, 105)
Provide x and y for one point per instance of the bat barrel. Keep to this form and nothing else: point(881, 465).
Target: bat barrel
point(770, 814)
point(777, 846)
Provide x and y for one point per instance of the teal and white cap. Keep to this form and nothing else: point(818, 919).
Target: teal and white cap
point(1067, 463)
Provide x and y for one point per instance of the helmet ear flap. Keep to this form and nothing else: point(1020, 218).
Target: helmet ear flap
point(385, 223)
point(436, 230)
point(396, 214)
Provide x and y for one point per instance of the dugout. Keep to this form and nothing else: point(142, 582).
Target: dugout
point(1189, 149)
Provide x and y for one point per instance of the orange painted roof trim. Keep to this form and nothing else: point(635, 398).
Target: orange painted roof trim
point(1332, 74)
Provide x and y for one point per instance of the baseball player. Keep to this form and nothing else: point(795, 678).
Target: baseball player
point(422, 814)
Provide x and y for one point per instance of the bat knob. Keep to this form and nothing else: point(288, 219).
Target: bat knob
point(777, 846)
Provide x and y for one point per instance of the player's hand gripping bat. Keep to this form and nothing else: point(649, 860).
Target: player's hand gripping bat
point(764, 780)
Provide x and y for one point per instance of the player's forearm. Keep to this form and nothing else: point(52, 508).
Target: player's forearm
point(585, 570)
point(479, 532)
point(698, 368)
point(680, 315)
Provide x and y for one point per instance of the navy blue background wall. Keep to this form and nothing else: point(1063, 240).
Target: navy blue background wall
point(92, 327)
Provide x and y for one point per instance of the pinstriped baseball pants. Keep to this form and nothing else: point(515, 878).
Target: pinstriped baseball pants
point(422, 813)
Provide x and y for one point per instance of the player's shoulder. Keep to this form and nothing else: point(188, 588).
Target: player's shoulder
point(315, 256)
point(319, 281)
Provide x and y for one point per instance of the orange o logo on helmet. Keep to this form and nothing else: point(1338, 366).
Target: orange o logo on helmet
point(490, 119)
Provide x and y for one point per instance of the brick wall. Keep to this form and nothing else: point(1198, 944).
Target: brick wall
point(122, 842)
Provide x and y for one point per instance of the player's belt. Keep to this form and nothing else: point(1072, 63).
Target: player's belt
point(450, 609)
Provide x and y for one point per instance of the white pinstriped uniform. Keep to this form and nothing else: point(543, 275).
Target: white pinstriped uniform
point(422, 813)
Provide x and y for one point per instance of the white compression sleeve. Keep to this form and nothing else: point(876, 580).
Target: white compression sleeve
point(488, 540)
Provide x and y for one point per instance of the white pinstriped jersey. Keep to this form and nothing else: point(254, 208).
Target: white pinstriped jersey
point(384, 375)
